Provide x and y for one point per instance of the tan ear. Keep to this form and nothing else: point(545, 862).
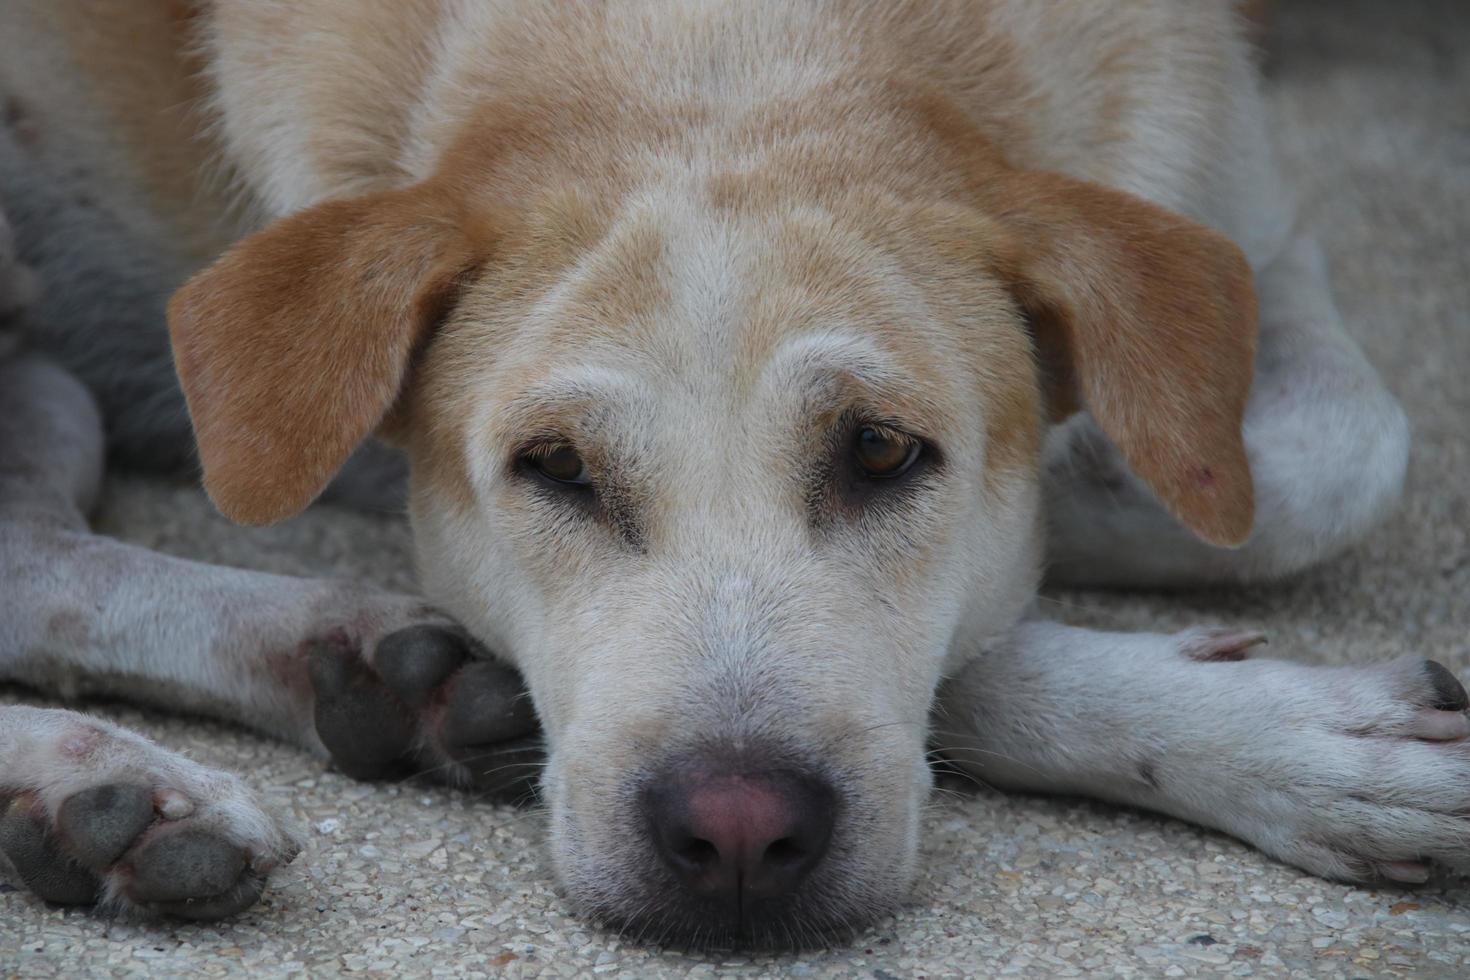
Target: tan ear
point(296, 343)
point(1148, 321)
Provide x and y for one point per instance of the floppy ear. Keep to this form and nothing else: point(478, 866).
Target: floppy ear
point(1148, 321)
point(295, 344)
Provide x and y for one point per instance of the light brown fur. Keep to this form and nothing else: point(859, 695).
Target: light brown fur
point(922, 147)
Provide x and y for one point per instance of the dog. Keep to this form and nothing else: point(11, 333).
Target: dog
point(751, 363)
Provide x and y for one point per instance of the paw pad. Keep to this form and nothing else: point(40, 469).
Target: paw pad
point(365, 727)
point(37, 858)
point(100, 823)
point(431, 700)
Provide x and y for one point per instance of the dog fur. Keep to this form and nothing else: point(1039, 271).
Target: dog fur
point(693, 241)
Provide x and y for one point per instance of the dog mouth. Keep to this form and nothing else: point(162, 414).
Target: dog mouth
point(785, 926)
point(659, 911)
point(722, 850)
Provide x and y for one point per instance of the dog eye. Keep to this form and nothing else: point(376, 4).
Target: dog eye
point(560, 463)
point(884, 454)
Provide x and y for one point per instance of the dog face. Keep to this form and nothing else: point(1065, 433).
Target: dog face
point(724, 494)
point(727, 464)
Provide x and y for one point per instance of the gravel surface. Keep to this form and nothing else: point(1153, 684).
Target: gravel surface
point(1372, 106)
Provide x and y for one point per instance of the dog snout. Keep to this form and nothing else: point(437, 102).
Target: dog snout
point(739, 836)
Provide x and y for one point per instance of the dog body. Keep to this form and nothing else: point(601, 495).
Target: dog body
point(724, 343)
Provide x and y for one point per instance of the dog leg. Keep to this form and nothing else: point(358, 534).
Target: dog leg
point(1351, 773)
point(379, 682)
point(90, 812)
point(1328, 448)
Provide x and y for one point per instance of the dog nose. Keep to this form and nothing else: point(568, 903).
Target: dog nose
point(737, 836)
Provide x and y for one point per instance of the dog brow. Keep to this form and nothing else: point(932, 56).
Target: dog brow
point(563, 396)
point(827, 353)
point(832, 369)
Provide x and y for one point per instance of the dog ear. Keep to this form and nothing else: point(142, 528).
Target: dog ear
point(1148, 321)
point(295, 344)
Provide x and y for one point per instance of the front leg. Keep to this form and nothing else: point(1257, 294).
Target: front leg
point(1353, 773)
point(378, 681)
point(90, 812)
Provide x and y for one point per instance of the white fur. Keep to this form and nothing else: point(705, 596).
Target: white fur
point(1343, 771)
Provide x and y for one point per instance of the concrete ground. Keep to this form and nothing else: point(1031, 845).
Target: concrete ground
point(1371, 104)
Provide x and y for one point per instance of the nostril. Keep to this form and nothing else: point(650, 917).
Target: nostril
point(784, 853)
point(739, 835)
point(697, 853)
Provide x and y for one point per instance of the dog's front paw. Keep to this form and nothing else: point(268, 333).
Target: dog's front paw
point(1362, 773)
point(112, 818)
point(427, 700)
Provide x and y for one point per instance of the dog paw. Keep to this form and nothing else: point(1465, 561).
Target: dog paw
point(126, 824)
point(428, 701)
point(1355, 773)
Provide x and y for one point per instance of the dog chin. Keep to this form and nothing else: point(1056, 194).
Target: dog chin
point(657, 915)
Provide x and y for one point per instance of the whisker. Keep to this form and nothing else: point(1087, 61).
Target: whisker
point(452, 765)
point(843, 736)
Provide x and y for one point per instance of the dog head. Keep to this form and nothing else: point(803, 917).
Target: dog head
point(725, 459)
